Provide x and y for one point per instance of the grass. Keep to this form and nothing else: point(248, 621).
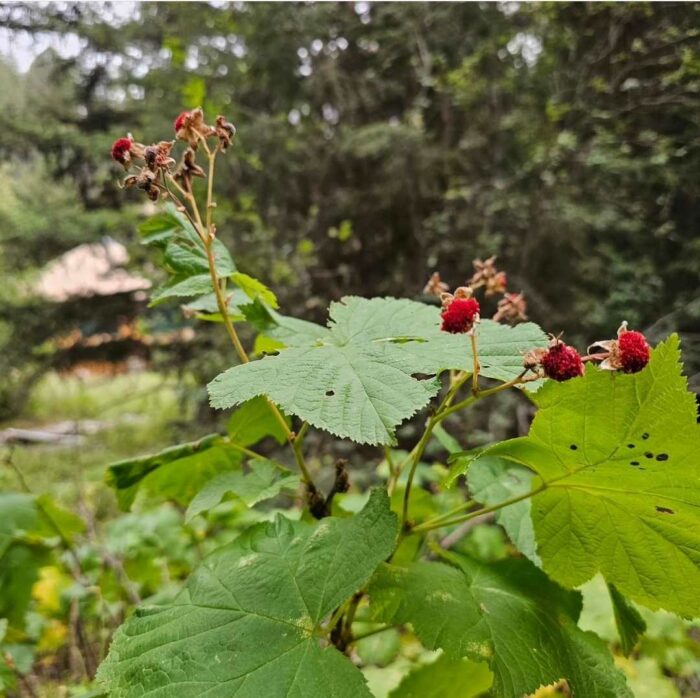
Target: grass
point(140, 412)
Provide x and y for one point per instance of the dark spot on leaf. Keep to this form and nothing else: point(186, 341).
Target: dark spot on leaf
point(330, 393)
point(634, 462)
point(662, 456)
point(645, 435)
point(648, 454)
point(573, 447)
point(664, 510)
point(630, 445)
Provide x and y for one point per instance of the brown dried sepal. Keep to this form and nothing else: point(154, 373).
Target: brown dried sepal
point(225, 131)
point(157, 156)
point(512, 308)
point(193, 128)
point(146, 181)
point(486, 274)
point(188, 166)
point(435, 286)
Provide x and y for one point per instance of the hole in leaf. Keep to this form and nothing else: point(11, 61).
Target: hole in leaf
point(630, 445)
point(645, 435)
point(330, 393)
point(634, 462)
point(648, 454)
point(662, 456)
point(664, 510)
point(573, 447)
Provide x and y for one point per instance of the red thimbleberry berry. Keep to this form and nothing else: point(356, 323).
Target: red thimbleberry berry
point(459, 315)
point(180, 120)
point(633, 351)
point(120, 148)
point(562, 362)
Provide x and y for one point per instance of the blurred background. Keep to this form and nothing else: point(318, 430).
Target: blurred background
point(376, 143)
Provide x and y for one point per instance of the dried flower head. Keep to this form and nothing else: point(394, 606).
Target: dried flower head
point(146, 181)
point(158, 156)
point(225, 131)
point(435, 286)
point(460, 312)
point(512, 308)
point(629, 353)
point(486, 274)
point(190, 127)
point(188, 166)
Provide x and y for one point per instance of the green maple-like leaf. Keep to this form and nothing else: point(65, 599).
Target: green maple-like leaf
point(619, 462)
point(508, 614)
point(248, 621)
point(357, 378)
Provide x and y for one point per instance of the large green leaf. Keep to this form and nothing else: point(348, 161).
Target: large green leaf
point(619, 459)
point(509, 614)
point(176, 473)
point(357, 379)
point(248, 621)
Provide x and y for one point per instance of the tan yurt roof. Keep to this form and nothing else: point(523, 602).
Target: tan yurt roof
point(92, 269)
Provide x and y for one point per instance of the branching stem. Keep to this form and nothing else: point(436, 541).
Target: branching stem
point(208, 235)
point(431, 525)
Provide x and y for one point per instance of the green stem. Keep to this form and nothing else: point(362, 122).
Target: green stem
point(336, 617)
point(476, 367)
point(418, 452)
point(297, 442)
point(369, 633)
point(207, 236)
point(485, 393)
point(449, 514)
point(428, 526)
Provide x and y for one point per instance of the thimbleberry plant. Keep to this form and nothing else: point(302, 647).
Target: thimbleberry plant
point(607, 481)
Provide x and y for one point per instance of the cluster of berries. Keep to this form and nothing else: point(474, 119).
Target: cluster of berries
point(628, 353)
point(189, 127)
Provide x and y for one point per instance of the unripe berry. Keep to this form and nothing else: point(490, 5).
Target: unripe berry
point(561, 362)
point(459, 315)
point(633, 351)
